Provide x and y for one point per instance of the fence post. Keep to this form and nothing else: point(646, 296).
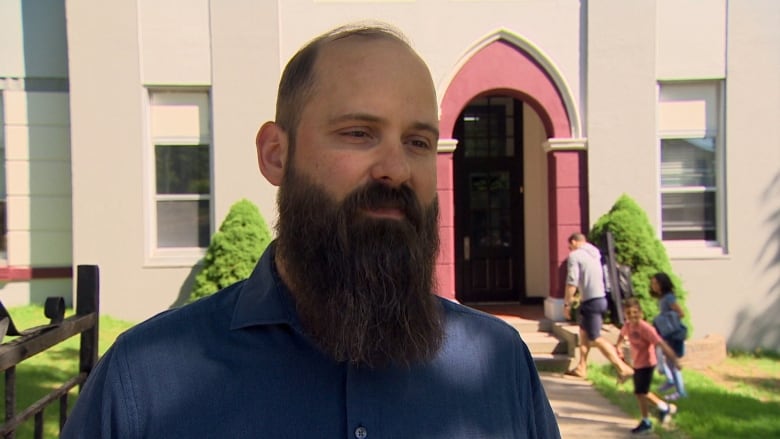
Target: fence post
point(87, 302)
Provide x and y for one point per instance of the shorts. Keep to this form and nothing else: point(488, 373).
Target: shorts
point(678, 346)
point(592, 316)
point(642, 379)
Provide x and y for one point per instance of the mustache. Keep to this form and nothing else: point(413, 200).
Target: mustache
point(377, 195)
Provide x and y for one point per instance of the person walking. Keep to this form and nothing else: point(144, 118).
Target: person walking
point(662, 288)
point(643, 339)
point(584, 273)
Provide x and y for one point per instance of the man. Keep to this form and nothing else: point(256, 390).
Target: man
point(336, 333)
point(585, 273)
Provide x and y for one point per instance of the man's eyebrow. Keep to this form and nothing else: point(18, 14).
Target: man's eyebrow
point(422, 126)
point(364, 117)
point(367, 117)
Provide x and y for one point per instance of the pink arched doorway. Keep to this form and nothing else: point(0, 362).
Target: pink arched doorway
point(503, 69)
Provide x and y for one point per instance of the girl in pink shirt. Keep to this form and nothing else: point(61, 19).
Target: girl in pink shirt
point(643, 338)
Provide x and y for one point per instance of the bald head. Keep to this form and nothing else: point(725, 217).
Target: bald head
point(299, 77)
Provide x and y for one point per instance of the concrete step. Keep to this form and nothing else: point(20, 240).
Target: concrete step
point(526, 326)
point(549, 352)
point(559, 363)
point(553, 345)
point(544, 343)
point(558, 349)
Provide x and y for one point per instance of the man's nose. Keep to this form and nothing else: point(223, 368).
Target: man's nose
point(392, 165)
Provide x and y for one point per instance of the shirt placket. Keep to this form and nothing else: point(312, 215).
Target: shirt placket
point(361, 405)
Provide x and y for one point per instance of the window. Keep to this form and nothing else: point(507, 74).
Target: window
point(691, 148)
point(181, 139)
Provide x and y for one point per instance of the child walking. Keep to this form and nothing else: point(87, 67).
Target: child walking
point(643, 338)
point(662, 288)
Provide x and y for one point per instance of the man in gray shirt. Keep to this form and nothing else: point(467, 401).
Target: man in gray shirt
point(584, 272)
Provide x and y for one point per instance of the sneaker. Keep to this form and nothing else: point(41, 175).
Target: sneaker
point(665, 415)
point(644, 427)
point(669, 385)
point(673, 396)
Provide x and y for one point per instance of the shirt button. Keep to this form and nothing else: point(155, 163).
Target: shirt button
point(361, 433)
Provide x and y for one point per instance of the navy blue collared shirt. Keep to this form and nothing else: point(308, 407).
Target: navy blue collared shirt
point(238, 365)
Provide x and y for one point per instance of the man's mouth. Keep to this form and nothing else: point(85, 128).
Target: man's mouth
point(385, 212)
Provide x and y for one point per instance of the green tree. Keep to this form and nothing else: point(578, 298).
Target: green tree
point(637, 246)
point(233, 251)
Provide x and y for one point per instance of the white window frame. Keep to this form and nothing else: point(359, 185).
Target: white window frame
point(4, 183)
point(172, 256)
point(698, 249)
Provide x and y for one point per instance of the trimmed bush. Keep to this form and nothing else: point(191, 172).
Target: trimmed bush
point(233, 251)
point(637, 246)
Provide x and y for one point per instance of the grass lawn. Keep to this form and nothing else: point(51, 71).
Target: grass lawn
point(739, 398)
point(39, 375)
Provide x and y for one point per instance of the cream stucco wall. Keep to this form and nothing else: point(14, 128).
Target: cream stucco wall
point(734, 291)
point(691, 39)
point(621, 99)
point(245, 71)
point(108, 138)
point(537, 245)
point(738, 294)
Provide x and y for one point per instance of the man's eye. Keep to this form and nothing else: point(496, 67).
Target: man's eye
point(355, 133)
point(419, 143)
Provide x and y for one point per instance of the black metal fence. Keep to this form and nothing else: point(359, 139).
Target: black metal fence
point(37, 340)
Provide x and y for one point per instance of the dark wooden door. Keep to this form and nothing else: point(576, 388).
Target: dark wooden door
point(489, 201)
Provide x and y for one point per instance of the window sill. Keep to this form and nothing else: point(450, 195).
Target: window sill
point(173, 258)
point(695, 250)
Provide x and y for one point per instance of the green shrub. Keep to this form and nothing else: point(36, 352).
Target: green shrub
point(233, 251)
point(637, 246)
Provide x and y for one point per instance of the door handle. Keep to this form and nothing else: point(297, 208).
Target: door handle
point(466, 248)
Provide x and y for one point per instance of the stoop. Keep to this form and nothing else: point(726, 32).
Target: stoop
point(550, 352)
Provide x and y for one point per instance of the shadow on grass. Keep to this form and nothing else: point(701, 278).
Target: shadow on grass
point(37, 377)
point(767, 385)
point(712, 413)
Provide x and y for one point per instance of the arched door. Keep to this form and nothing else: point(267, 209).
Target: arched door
point(488, 165)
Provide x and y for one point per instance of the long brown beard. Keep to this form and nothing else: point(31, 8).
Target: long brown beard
point(363, 287)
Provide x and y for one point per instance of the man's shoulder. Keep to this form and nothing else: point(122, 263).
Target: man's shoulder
point(212, 313)
point(476, 320)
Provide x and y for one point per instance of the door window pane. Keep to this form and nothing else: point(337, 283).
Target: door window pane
point(488, 128)
point(490, 209)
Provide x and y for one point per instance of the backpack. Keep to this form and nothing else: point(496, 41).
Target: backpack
point(670, 327)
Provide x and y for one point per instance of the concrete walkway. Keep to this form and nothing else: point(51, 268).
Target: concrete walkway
point(582, 412)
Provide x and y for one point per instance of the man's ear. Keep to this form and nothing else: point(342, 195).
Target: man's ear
point(272, 145)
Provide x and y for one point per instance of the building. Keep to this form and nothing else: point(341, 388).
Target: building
point(128, 131)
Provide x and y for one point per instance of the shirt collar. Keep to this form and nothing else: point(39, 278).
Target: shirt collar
point(263, 298)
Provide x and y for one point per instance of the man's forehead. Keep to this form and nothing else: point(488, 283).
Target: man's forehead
point(358, 46)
